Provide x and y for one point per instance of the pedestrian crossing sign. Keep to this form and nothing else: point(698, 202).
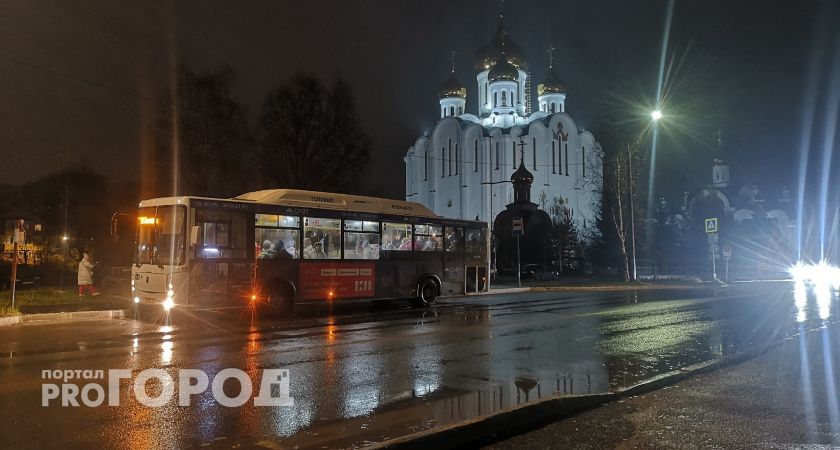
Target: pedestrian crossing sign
point(712, 225)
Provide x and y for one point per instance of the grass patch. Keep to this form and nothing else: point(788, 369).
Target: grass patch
point(8, 311)
point(44, 296)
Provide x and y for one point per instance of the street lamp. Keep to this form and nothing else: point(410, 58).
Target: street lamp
point(656, 115)
point(64, 240)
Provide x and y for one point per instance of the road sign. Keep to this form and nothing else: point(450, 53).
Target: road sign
point(518, 226)
point(727, 252)
point(19, 237)
point(712, 225)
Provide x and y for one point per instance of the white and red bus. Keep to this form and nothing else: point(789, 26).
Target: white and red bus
point(281, 246)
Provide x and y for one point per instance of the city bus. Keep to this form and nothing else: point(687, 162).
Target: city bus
point(280, 247)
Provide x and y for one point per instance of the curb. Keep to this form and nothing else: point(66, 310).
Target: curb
point(523, 418)
point(594, 288)
point(6, 321)
point(470, 432)
point(62, 317)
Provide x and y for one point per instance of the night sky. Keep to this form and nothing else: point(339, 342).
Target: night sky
point(79, 80)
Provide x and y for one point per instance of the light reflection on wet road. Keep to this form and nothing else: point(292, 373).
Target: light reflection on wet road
point(365, 374)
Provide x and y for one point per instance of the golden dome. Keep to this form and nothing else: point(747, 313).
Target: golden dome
point(500, 44)
point(551, 84)
point(452, 88)
point(502, 70)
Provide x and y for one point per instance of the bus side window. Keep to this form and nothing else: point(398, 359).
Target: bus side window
point(454, 239)
point(221, 234)
point(322, 238)
point(473, 241)
point(361, 239)
point(276, 237)
point(428, 238)
point(396, 236)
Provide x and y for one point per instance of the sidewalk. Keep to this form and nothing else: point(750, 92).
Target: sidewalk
point(778, 400)
point(60, 304)
point(509, 285)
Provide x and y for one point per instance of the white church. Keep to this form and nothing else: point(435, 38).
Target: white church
point(463, 166)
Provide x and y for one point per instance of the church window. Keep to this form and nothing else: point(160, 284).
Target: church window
point(504, 98)
point(583, 161)
point(457, 159)
point(442, 162)
point(486, 96)
point(497, 156)
point(534, 146)
point(450, 157)
point(426, 165)
point(553, 157)
point(566, 157)
point(552, 107)
point(476, 155)
point(495, 98)
point(451, 110)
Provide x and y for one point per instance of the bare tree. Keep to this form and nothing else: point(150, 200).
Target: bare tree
point(617, 198)
point(203, 139)
point(310, 137)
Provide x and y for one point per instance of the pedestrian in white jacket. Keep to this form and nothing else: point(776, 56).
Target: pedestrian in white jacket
point(86, 276)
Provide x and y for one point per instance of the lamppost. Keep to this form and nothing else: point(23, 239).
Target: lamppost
point(655, 115)
point(490, 217)
point(64, 240)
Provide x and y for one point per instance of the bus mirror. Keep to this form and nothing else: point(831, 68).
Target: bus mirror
point(194, 235)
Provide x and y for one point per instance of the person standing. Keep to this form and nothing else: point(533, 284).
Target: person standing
point(86, 276)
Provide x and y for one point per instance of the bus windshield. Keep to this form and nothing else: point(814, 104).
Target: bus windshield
point(161, 235)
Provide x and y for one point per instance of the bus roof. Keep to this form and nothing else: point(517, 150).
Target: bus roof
point(343, 202)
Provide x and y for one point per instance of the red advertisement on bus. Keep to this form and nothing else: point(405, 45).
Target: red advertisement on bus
point(336, 280)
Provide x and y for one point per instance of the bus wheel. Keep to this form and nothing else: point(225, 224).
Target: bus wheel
point(427, 292)
point(281, 298)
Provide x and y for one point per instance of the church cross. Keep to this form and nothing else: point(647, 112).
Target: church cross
point(522, 151)
point(550, 52)
point(452, 61)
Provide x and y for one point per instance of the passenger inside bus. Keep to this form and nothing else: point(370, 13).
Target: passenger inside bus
point(280, 251)
point(266, 251)
point(307, 248)
point(406, 244)
point(317, 251)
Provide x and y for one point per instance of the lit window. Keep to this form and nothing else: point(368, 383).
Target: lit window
point(277, 236)
point(322, 238)
point(428, 238)
point(396, 236)
point(361, 239)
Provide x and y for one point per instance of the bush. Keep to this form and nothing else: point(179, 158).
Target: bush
point(8, 311)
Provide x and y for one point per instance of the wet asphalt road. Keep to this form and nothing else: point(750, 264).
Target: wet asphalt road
point(363, 373)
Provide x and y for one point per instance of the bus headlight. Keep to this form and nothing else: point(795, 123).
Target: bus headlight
point(169, 303)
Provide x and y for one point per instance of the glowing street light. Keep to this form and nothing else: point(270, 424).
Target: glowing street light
point(656, 115)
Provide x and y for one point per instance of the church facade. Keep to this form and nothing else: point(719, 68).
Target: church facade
point(463, 166)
